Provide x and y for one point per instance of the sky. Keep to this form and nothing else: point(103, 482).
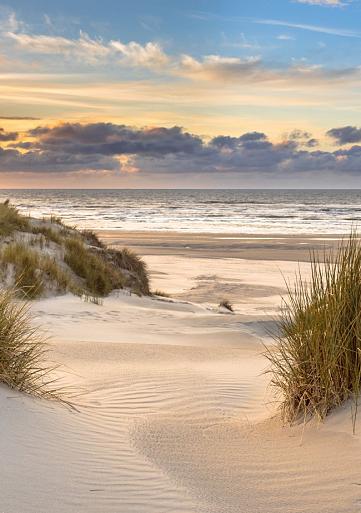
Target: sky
point(180, 94)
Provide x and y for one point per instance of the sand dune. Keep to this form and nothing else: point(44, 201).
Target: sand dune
point(173, 413)
point(86, 460)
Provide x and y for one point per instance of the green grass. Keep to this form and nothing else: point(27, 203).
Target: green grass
point(100, 276)
point(317, 363)
point(22, 350)
point(11, 220)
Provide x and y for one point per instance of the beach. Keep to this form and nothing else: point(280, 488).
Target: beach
point(180, 256)
point(172, 406)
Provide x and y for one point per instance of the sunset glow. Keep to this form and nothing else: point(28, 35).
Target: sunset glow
point(80, 92)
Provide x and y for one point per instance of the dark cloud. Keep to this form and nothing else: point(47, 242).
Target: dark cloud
point(52, 162)
point(110, 139)
point(8, 136)
point(345, 134)
point(225, 141)
point(73, 147)
point(311, 143)
point(297, 135)
point(20, 118)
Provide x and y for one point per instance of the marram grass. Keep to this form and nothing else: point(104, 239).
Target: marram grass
point(23, 350)
point(317, 363)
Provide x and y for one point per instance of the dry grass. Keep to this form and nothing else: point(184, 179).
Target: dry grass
point(92, 239)
point(226, 304)
point(11, 220)
point(81, 263)
point(22, 350)
point(135, 265)
point(48, 233)
point(160, 293)
point(100, 277)
point(317, 364)
point(33, 270)
point(26, 268)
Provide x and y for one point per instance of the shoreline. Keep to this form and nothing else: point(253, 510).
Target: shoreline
point(282, 247)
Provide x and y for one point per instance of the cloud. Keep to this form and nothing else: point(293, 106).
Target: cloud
point(328, 3)
point(345, 134)
point(254, 70)
point(83, 48)
point(86, 51)
point(311, 28)
point(149, 55)
point(8, 136)
point(285, 37)
point(111, 139)
point(92, 51)
point(19, 118)
point(113, 148)
point(224, 68)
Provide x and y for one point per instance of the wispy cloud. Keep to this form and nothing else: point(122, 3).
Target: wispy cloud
point(218, 68)
point(328, 3)
point(207, 16)
point(311, 28)
point(91, 51)
point(285, 37)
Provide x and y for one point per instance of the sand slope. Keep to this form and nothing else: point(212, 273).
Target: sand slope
point(133, 358)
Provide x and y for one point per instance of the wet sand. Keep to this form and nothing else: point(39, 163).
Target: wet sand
point(223, 245)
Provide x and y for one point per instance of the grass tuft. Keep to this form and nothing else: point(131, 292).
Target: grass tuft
point(22, 350)
point(33, 270)
point(317, 364)
point(135, 265)
point(11, 220)
point(48, 233)
point(100, 277)
point(160, 293)
point(226, 304)
point(92, 239)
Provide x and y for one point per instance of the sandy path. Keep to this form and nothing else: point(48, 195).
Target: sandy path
point(63, 461)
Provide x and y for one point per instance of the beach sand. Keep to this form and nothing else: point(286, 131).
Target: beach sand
point(173, 409)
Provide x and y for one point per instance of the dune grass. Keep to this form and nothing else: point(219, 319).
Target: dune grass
point(11, 220)
point(92, 239)
point(317, 364)
point(23, 350)
point(26, 268)
point(79, 261)
point(130, 261)
point(33, 269)
point(100, 277)
point(49, 233)
point(160, 293)
point(225, 303)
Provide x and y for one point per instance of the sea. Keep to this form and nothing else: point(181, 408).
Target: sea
point(266, 212)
